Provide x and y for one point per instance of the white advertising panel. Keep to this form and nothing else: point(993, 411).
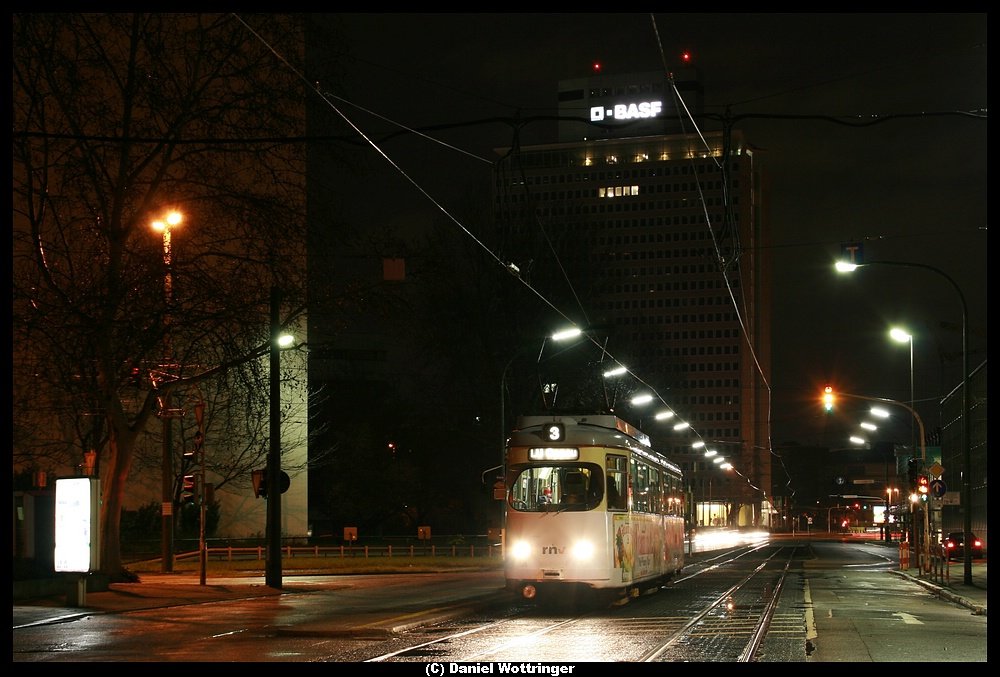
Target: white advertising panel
point(77, 524)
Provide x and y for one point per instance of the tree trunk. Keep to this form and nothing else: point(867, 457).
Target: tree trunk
point(120, 449)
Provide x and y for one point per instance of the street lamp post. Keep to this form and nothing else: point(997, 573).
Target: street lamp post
point(164, 225)
point(272, 573)
point(923, 458)
point(966, 495)
point(902, 336)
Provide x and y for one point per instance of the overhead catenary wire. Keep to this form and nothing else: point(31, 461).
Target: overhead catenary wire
point(330, 101)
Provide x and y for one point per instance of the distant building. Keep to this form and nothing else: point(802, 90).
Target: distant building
point(664, 239)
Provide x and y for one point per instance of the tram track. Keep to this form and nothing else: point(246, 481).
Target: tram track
point(734, 618)
point(719, 611)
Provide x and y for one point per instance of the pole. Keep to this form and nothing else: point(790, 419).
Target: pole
point(167, 461)
point(966, 444)
point(912, 399)
point(199, 412)
point(503, 448)
point(273, 482)
point(167, 486)
point(925, 547)
point(202, 550)
point(966, 494)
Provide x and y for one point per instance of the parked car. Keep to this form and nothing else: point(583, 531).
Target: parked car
point(953, 546)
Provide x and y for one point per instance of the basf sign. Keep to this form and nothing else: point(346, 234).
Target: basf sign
point(626, 112)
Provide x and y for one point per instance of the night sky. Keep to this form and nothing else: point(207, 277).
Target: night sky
point(912, 187)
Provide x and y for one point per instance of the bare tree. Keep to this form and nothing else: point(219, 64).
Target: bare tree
point(116, 118)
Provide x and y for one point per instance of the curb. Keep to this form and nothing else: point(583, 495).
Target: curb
point(977, 609)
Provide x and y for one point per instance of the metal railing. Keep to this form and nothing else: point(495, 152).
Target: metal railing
point(229, 553)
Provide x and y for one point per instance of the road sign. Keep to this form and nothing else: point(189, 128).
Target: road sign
point(937, 470)
point(938, 488)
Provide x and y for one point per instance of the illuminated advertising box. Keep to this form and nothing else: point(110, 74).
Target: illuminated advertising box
point(78, 547)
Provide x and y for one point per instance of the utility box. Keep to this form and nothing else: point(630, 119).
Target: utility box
point(424, 533)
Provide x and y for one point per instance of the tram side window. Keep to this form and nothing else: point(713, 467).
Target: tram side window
point(655, 495)
point(616, 467)
point(673, 495)
point(642, 500)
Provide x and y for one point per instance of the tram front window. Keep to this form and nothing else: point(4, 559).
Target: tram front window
point(557, 488)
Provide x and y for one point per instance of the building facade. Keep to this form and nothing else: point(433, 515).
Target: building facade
point(663, 237)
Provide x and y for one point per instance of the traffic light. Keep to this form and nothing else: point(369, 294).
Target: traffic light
point(913, 467)
point(187, 489)
point(828, 398)
point(923, 487)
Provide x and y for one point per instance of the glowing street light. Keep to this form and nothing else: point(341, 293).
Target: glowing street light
point(572, 332)
point(164, 225)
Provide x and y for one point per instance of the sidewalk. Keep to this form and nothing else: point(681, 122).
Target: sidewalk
point(166, 590)
point(951, 584)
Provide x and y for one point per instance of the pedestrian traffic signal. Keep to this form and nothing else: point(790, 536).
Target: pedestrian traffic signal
point(187, 489)
point(923, 487)
point(828, 398)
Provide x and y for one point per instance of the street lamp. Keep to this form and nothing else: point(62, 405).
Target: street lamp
point(164, 225)
point(278, 342)
point(902, 336)
point(966, 495)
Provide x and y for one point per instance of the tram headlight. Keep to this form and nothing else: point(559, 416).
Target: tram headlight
point(582, 550)
point(520, 550)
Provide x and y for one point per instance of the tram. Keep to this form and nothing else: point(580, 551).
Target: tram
point(590, 505)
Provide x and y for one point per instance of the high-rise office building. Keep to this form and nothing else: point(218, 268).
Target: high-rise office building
point(640, 224)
